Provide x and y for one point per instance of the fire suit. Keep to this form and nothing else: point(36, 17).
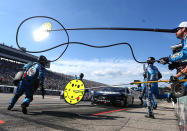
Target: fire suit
point(180, 56)
point(152, 74)
point(32, 72)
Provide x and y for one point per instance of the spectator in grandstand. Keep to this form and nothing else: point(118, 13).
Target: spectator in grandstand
point(7, 70)
point(32, 77)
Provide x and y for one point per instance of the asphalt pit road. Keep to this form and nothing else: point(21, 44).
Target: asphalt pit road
point(107, 112)
point(34, 104)
point(59, 114)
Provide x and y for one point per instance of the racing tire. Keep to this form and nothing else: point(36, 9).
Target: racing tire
point(93, 102)
point(178, 89)
point(123, 102)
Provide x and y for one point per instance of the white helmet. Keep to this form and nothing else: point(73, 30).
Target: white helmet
point(183, 24)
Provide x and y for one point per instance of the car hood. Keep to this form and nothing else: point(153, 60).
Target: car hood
point(107, 93)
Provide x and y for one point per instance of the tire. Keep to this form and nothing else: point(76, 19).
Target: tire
point(93, 102)
point(124, 102)
point(178, 89)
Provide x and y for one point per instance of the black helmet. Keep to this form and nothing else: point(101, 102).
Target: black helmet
point(81, 75)
point(42, 60)
point(151, 60)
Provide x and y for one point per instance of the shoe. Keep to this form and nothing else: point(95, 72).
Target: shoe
point(9, 108)
point(150, 116)
point(155, 106)
point(168, 100)
point(174, 100)
point(24, 109)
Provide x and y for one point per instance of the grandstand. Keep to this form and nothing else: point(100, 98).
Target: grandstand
point(12, 60)
point(16, 55)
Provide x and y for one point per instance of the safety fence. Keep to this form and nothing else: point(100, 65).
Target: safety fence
point(12, 89)
point(7, 89)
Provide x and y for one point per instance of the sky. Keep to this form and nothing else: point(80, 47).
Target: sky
point(114, 65)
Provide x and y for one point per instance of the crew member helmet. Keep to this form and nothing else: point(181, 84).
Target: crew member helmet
point(81, 75)
point(42, 60)
point(151, 60)
point(181, 25)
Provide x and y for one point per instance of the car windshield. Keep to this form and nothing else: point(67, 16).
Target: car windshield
point(114, 89)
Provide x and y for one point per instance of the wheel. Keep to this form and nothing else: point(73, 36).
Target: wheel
point(123, 102)
point(93, 102)
point(178, 89)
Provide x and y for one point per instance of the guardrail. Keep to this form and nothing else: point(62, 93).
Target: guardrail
point(12, 89)
point(7, 89)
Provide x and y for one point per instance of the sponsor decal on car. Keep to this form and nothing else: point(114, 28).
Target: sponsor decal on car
point(107, 92)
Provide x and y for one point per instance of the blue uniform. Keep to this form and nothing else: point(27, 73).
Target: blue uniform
point(138, 89)
point(180, 56)
point(152, 74)
point(32, 71)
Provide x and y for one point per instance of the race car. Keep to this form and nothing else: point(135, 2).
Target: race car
point(114, 96)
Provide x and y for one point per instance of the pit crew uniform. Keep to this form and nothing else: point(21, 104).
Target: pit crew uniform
point(152, 74)
point(32, 71)
point(180, 56)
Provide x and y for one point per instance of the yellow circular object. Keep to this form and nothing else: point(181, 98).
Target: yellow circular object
point(74, 91)
point(46, 26)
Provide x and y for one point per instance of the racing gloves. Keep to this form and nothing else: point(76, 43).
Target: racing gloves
point(164, 60)
point(173, 79)
point(173, 65)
